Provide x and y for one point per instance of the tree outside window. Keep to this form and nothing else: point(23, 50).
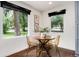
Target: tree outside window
point(57, 23)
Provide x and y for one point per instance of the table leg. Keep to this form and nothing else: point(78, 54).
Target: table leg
point(48, 53)
point(43, 46)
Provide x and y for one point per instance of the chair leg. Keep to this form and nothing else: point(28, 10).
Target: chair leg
point(38, 52)
point(28, 51)
point(57, 51)
point(48, 53)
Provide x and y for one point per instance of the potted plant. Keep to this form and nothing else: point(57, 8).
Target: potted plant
point(44, 31)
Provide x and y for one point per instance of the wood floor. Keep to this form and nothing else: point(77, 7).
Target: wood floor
point(32, 53)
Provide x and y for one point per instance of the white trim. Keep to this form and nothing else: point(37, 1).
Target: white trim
point(15, 37)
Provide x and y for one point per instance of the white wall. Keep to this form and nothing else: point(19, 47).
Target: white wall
point(68, 36)
point(13, 45)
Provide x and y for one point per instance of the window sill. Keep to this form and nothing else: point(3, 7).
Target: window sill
point(57, 31)
point(15, 37)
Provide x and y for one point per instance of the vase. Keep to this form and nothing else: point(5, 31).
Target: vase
point(42, 35)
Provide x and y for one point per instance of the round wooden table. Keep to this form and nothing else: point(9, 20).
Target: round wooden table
point(42, 45)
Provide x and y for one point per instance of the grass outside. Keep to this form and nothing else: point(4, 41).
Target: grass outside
point(12, 34)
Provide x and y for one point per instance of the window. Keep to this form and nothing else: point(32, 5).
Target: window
point(23, 21)
point(14, 23)
point(57, 23)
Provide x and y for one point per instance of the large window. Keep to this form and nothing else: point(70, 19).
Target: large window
point(15, 23)
point(57, 23)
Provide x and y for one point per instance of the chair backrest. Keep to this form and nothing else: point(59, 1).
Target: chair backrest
point(28, 42)
point(31, 40)
point(57, 39)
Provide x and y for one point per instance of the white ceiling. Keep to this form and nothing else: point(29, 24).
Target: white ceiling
point(42, 5)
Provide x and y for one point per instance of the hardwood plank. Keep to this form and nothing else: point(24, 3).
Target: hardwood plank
point(32, 53)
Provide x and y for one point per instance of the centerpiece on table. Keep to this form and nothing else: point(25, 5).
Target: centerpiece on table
point(44, 32)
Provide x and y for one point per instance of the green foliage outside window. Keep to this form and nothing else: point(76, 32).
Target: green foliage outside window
point(8, 23)
point(23, 21)
point(57, 23)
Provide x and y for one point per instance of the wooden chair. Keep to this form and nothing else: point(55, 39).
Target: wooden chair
point(54, 44)
point(32, 42)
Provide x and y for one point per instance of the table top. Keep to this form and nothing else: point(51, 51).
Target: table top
point(45, 38)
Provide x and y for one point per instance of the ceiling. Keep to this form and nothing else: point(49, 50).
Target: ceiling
point(42, 5)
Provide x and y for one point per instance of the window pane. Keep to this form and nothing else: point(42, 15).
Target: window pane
point(57, 23)
point(23, 21)
point(8, 25)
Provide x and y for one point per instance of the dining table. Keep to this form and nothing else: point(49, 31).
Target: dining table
point(43, 45)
